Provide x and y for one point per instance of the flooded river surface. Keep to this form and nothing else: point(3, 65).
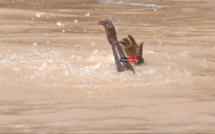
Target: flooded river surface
point(57, 72)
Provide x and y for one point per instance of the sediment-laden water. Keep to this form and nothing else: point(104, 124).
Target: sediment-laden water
point(57, 72)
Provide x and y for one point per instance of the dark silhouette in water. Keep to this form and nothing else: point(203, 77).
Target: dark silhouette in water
point(131, 47)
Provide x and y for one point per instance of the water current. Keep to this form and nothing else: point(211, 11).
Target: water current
point(57, 71)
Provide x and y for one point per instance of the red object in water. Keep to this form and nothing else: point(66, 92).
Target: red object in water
point(133, 59)
point(129, 59)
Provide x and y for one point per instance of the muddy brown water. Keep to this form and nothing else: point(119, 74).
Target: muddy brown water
point(57, 72)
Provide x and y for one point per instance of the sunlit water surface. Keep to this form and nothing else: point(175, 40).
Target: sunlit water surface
point(57, 72)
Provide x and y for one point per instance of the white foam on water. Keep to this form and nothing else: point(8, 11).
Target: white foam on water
point(87, 14)
point(186, 53)
point(59, 24)
point(57, 66)
point(75, 21)
point(95, 51)
point(153, 6)
point(39, 14)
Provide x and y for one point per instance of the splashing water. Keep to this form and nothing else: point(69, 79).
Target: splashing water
point(57, 70)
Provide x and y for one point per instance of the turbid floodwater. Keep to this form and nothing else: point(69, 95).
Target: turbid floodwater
point(57, 71)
